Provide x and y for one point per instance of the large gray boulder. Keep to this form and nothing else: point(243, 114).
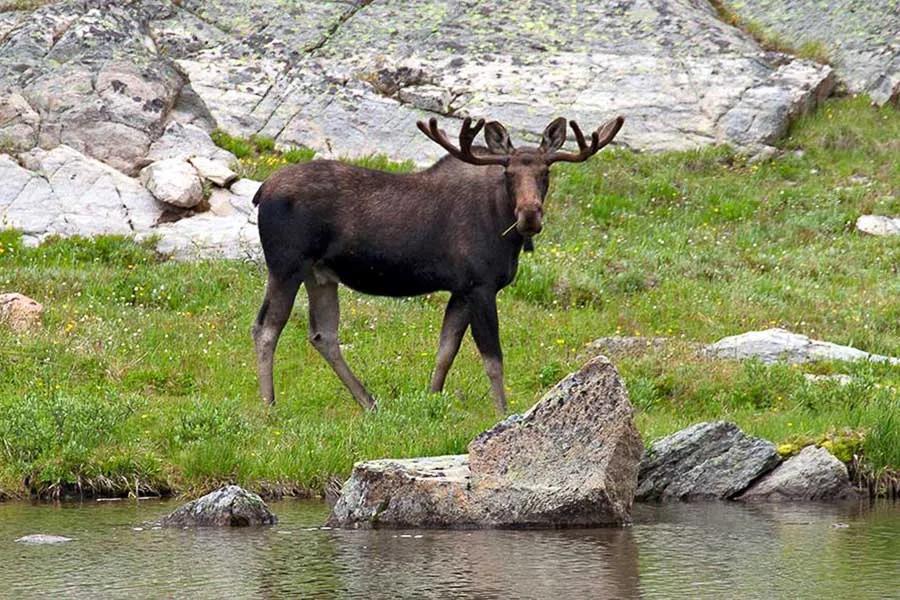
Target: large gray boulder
point(707, 461)
point(862, 39)
point(773, 345)
point(230, 505)
point(813, 474)
point(569, 461)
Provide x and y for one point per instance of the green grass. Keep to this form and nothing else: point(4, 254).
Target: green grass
point(814, 50)
point(142, 376)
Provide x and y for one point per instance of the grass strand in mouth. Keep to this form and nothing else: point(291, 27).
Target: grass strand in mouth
point(144, 369)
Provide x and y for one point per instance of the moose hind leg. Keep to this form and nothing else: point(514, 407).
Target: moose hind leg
point(324, 317)
point(456, 321)
point(273, 314)
point(486, 331)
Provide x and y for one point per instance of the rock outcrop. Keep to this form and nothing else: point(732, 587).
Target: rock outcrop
point(230, 505)
point(135, 83)
point(773, 345)
point(569, 461)
point(19, 312)
point(878, 225)
point(862, 39)
point(813, 474)
point(707, 461)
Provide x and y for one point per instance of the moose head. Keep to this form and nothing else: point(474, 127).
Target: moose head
point(526, 170)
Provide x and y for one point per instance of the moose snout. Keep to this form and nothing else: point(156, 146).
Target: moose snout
point(529, 221)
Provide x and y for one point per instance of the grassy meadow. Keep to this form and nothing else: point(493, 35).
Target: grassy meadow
point(142, 378)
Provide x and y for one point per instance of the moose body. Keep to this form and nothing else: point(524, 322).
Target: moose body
point(444, 228)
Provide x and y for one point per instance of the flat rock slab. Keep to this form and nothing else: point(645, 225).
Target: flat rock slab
point(569, 461)
point(878, 225)
point(230, 506)
point(707, 461)
point(813, 474)
point(773, 345)
point(40, 538)
point(862, 39)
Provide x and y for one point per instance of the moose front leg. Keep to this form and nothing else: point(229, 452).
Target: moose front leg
point(456, 321)
point(324, 317)
point(486, 331)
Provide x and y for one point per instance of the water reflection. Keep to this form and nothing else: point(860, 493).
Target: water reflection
point(683, 550)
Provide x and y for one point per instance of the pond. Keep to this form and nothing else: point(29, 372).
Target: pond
point(715, 550)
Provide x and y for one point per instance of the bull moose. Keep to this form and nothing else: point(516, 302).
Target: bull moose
point(458, 226)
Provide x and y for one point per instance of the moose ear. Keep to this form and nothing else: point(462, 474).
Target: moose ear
point(554, 136)
point(497, 139)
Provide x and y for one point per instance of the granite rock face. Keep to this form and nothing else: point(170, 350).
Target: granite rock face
point(19, 312)
point(813, 474)
point(351, 78)
point(63, 192)
point(862, 39)
point(137, 82)
point(230, 506)
point(773, 345)
point(569, 461)
point(87, 75)
point(707, 461)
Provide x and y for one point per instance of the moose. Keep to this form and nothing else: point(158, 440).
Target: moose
point(458, 226)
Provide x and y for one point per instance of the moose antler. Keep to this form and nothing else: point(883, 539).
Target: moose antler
point(467, 134)
point(600, 138)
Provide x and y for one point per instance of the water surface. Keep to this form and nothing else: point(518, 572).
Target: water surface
point(716, 550)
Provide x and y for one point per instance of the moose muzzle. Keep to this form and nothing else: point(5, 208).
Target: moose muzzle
point(529, 221)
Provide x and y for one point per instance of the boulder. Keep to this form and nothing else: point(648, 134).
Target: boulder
point(571, 460)
point(41, 538)
point(878, 225)
point(19, 312)
point(773, 345)
point(707, 461)
point(213, 170)
point(229, 506)
point(813, 474)
point(860, 38)
point(174, 182)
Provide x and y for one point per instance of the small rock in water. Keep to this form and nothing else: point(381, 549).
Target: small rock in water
point(40, 538)
point(229, 506)
point(813, 474)
point(707, 461)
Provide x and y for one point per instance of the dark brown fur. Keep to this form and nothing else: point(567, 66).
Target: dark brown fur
point(326, 222)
